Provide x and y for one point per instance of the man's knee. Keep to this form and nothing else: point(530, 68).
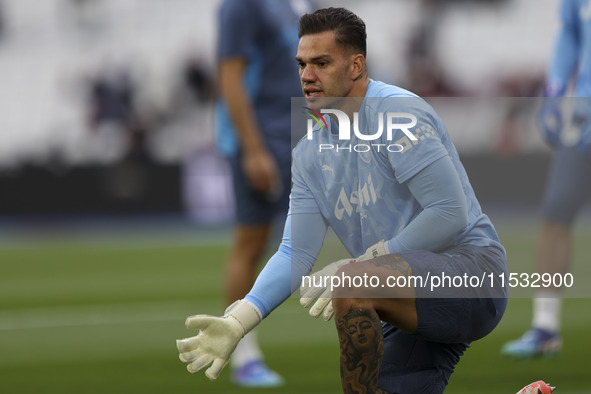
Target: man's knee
point(344, 305)
point(351, 282)
point(400, 312)
point(374, 278)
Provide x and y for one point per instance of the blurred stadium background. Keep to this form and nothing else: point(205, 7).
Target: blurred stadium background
point(115, 212)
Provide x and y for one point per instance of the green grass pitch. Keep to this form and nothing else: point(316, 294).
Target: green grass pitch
point(84, 316)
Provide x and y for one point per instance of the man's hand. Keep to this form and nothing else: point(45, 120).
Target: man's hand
point(261, 171)
point(309, 293)
point(550, 120)
point(217, 338)
point(258, 164)
point(324, 303)
point(550, 116)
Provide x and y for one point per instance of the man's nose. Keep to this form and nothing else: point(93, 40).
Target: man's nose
point(307, 74)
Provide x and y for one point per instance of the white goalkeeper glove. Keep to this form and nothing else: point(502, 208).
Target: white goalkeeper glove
point(217, 339)
point(324, 303)
point(309, 293)
point(378, 249)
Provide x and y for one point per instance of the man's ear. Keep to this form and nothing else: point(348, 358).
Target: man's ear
point(357, 66)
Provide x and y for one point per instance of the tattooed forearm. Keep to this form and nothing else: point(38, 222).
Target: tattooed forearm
point(395, 262)
point(362, 348)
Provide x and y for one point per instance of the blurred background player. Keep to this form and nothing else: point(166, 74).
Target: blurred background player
point(568, 186)
point(257, 78)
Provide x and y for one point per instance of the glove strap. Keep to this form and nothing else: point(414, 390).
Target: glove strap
point(245, 313)
point(379, 249)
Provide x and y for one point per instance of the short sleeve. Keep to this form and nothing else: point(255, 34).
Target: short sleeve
point(237, 28)
point(416, 142)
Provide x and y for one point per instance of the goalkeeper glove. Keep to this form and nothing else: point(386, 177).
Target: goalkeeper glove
point(324, 303)
point(217, 338)
point(550, 116)
point(323, 293)
point(379, 249)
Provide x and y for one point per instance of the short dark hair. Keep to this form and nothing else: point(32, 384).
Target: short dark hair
point(349, 29)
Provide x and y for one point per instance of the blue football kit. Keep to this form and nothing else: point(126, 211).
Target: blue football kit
point(411, 190)
point(567, 187)
point(264, 34)
point(565, 194)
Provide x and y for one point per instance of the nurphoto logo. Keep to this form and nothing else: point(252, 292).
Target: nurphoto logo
point(392, 120)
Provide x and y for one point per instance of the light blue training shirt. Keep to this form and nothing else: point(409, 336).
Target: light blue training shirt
point(415, 198)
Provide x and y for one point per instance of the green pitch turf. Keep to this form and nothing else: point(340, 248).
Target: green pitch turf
point(79, 315)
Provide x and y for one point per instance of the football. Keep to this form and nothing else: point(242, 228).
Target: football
point(539, 387)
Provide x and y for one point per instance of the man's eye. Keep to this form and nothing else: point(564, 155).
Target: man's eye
point(301, 65)
point(322, 64)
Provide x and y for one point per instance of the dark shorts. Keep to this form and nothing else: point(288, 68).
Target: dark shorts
point(424, 361)
point(568, 186)
point(252, 207)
